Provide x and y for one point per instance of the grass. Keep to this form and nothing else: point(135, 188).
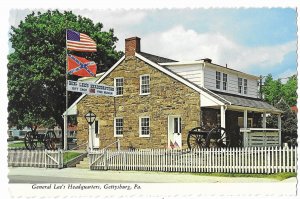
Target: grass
point(70, 155)
point(277, 176)
point(16, 145)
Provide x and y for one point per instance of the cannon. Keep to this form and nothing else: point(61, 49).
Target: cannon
point(205, 137)
point(32, 138)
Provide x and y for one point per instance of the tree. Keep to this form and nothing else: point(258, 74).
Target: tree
point(288, 124)
point(289, 91)
point(37, 66)
point(274, 90)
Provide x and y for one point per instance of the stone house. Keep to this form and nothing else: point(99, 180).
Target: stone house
point(158, 100)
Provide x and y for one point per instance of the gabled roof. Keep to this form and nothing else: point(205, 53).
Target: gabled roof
point(221, 98)
point(156, 59)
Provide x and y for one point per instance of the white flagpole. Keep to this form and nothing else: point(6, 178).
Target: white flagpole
point(66, 113)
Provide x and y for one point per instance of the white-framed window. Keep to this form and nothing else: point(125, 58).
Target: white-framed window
point(177, 125)
point(144, 126)
point(245, 86)
point(224, 81)
point(218, 80)
point(118, 124)
point(145, 84)
point(240, 85)
point(119, 83)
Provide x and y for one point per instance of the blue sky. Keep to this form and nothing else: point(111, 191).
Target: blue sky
point(253, 40)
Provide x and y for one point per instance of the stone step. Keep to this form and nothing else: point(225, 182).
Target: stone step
point(84, 164)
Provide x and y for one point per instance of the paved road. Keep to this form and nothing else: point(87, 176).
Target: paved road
point(75, 175)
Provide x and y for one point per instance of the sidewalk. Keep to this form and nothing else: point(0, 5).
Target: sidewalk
point(84, 175)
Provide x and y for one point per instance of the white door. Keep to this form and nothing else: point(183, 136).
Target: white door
point(174, 132)
point(94, 135)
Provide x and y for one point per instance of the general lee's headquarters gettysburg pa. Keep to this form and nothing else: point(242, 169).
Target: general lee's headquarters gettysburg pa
point(159, 100)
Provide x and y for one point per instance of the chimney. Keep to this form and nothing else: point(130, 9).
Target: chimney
point(132, 45)
point(207, 60)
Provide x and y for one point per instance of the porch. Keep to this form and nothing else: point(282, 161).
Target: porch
point(245, 118)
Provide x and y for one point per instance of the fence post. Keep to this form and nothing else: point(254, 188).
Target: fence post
point(60, 158)
point(105, 159)
point(269, 160)
point(45, 151)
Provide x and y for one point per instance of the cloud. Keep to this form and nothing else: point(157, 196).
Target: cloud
point(114, 18)
point(284, 75)
point(186, 44)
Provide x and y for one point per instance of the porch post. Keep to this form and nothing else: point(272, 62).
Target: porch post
point(245, 119)
point(65, 147)
point(223, 117)
point(264, 122)
point(279, 127)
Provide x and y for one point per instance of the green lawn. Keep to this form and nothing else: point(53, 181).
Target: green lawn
point(70, 155)
point(277, 176)
point(16, 145)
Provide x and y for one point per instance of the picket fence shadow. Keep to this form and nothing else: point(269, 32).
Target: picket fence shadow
point(206, 160)
point(35, 158)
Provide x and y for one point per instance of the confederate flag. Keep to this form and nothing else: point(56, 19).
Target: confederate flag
point(81, 67)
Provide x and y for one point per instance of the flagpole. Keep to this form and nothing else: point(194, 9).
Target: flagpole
point(65, 140)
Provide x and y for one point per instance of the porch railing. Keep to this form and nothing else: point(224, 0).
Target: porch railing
point(261, 137)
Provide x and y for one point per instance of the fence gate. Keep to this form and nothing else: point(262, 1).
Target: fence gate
point(54, 159)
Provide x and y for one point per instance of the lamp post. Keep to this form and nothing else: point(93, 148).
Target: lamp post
point(90, 118)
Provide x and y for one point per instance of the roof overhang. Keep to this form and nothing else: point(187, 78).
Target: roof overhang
point(261, 110)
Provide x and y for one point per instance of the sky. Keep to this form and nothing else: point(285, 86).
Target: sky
point(258, 41)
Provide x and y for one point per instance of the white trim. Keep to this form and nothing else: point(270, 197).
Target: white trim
point(140, 127)
point(115, 135)
point(260, 110)
point(180, 79)
point(258, 129)
point(115, 85)
point(182, 63)
point(231, 71)
point(141, 76)
point(212, 65)
point(86, 78)
point(99, 80)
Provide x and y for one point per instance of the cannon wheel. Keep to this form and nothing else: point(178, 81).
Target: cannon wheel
point(218, 137)
point(49, 141)
point(30, 141)
point(196, 138)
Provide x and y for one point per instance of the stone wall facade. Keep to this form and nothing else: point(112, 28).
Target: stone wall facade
point(167, 97)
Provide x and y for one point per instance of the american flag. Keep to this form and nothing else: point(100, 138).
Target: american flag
point(80, 42)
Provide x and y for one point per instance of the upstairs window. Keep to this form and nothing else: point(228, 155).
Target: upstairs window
point(224, 81)
point(245, 86)
point(119, 83)
point(240, 85)
point(218, 80)
point(144, 84)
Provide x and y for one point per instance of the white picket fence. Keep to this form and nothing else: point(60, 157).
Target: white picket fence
point(35, 158)
point(223, 160)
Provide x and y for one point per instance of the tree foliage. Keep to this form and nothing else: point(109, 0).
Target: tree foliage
point(288, 123)
point(274, 90)
point(37, 66)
